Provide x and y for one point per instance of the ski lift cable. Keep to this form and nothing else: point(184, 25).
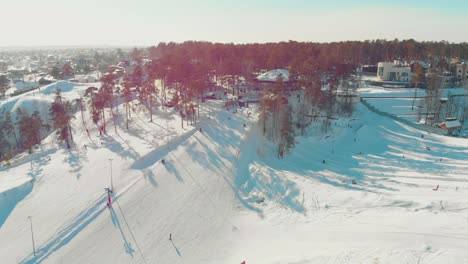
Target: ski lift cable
point(203, 189)
point(131, 232)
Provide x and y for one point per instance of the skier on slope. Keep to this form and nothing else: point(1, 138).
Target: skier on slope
point(109, 197)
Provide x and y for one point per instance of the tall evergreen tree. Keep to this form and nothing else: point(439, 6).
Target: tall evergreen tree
point(61, 114)
point(10, 129)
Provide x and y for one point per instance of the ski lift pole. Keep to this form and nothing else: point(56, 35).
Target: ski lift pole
point(32, 235)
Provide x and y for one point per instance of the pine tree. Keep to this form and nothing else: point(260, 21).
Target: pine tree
point(10, 129)
point(265, 110)
point(287, 132)
point(416, 79)
point(4, 82)
point(29, 128)
point(21, 121)
point(148, 90)
point(106, 94)
point(127, 94)
point(4, 146)
point(61, 114)
point(91, 93)
point(36, 127)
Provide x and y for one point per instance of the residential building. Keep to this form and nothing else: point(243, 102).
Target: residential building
point(396, 71)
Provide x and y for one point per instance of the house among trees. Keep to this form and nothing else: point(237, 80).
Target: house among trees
point(396, 71)
point(451, 126)
point(369, 69)
point(265, 80)
point(215, 92)
point(88, 78)
point(116, 70)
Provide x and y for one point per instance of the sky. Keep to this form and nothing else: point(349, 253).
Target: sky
point(148, 22)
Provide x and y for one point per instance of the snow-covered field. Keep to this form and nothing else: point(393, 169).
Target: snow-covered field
point(363, 193)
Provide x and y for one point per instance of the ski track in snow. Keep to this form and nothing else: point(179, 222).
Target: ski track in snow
point(245, 203)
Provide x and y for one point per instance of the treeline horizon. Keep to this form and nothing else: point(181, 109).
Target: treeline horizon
point(363, 52)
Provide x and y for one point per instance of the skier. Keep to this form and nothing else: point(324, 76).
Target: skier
point(437, 188)
point(109, 197)
point(170, 236)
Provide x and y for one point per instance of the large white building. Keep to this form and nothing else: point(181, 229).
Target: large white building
point(393, 71)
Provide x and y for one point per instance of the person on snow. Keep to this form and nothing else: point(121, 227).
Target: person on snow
point(109, 197)
point(170, 236)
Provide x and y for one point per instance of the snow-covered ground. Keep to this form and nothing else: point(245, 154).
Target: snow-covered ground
point(362, 193)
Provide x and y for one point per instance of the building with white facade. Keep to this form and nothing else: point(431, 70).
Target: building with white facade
point(393, 71)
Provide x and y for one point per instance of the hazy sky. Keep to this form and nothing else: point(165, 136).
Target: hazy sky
point(146, 22)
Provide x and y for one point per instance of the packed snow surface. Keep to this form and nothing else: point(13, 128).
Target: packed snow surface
point(366, 191)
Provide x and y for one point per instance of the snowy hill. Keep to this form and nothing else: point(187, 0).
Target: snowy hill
point(362, 193)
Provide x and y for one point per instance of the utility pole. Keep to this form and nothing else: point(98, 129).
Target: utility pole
point(32, 235)
point(112, 183)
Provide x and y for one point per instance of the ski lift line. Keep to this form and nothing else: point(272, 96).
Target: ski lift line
point(131, 232)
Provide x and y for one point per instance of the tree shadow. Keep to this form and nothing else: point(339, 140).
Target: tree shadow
point(117, 147)
point(74, 159)
point(172, 170)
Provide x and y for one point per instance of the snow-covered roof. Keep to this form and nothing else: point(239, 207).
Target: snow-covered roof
point(272, 76)
point(452, 124)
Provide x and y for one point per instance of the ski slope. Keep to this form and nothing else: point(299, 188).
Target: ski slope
point(224, 196)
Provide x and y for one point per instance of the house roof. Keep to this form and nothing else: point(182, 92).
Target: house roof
point(452, 124)
point(272, 76)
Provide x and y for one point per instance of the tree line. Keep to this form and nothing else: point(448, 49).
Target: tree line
point(178, 74)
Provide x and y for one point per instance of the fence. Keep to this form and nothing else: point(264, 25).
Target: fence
point(428, 128)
